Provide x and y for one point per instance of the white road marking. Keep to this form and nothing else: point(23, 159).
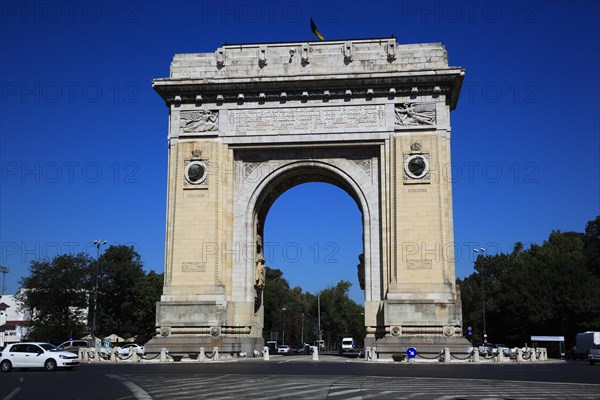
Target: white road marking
point(138, 392)
point(12, 394)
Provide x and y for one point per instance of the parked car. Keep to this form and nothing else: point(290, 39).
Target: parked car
point(303, 348)
point(505, 349)
point(75, 345)
point(125, 349)
point(584, 341)
point(36, 355)
point(283, 349)
point(594, 354)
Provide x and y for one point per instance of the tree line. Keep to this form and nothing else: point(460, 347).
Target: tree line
point(548, 289)
point(294, 315)
point(58, 295)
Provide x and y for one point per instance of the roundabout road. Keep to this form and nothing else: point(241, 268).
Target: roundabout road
point(297, 377)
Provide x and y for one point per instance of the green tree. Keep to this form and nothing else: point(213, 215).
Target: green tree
point(56, 296)
point(278, 296)
point(591, 242)
point(340, 315)
point(147, 292)
point(550, 289)
point(120, 273)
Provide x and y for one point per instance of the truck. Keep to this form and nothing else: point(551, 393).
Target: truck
point(272, 345)
point(583, 342)
point(348, 344)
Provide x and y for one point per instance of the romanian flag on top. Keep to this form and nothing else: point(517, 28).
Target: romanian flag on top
point(314, 30)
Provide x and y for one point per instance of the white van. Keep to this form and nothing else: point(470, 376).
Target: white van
point(348, 344)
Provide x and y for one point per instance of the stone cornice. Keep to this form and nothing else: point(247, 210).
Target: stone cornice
point(446, 82)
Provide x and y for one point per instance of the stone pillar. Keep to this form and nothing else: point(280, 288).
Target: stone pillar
point(315, 354)
point(475, 355)
point(163, 355)
point(266, 353)
point(113, 355)
point(202, 356)
point(216, 354)
point(83, 354)
point(134, 356)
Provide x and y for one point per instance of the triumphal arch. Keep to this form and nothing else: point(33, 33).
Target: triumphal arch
point(250, 121)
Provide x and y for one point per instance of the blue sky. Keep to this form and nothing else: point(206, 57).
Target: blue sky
point(83, 135)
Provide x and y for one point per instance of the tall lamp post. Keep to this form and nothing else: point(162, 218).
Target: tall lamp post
point(283, 340)
point(302, 330)
point(482, 250)
point(98, 243)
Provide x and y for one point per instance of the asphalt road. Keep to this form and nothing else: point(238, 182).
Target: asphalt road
point(297, 377)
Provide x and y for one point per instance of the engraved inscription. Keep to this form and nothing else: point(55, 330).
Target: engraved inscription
point(306, 118)
point(419, 264)
point(193, 267)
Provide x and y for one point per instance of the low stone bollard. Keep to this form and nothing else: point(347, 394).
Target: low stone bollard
point(163, 355)
point(134, 356)
point(113, 355)
point(315, 354)
point(83, 354)
point(544, 354)
point(368, 354)
point(202, 356)
point(216, 354)
point(265, 353)
point(446, 354)
point(476, 355)
point(500, 354)
point(519, 355)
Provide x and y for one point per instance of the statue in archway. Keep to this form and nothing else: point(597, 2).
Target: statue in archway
point(361, 271)
point(260, 268)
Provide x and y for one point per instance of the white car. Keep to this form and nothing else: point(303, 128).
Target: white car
point(594, 354)
point(124, 350)
point(283, 349)
point(36, 355)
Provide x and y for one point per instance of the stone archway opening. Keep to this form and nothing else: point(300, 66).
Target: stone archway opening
point(311, 227)
point(313, 236)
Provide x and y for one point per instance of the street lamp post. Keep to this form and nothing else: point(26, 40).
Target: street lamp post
point(98, 243)
point(482, 250)
point(302, 330)
point(283, 340)
point(319, 320)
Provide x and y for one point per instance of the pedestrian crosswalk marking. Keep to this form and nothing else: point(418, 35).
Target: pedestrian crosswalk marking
point(335, 387)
